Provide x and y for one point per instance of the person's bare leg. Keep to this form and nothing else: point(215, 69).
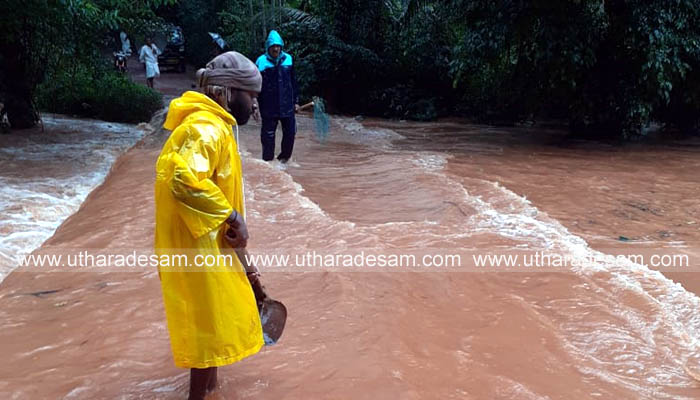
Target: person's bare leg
point(213, 379)
point(199, 379)
point(149, 82)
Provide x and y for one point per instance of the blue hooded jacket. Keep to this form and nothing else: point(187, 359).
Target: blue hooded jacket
point(279, 88)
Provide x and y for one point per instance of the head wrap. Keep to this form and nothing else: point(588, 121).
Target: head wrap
point(231, 70)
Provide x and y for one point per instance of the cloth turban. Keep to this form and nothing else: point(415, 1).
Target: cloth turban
point(231, 70)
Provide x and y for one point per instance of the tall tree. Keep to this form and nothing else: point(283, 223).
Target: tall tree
point(39, 37)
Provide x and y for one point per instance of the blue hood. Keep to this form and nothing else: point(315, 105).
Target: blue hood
point(273, 38)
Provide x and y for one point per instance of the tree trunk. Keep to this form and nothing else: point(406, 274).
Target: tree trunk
point(264, 20)
point(18, 102)
point(252, 36)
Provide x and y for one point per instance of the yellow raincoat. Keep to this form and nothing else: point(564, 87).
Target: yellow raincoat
point(211, 312)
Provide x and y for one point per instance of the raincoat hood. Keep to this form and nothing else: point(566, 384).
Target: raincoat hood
point(273, 38)
point(191, 102)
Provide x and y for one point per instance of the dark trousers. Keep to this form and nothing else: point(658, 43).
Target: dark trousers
point(267, 137)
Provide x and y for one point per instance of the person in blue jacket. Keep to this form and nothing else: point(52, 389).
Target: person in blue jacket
point(279, 98)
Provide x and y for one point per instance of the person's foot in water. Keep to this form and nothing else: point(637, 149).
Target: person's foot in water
point(213, 380)
point(283, 160)
point(202, 381)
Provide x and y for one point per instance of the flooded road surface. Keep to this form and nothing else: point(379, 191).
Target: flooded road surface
point(46, 175)
point(599, 332)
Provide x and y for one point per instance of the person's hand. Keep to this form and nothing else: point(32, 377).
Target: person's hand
point(296, 108)
point(258, 288)
point(253, 274)
point(237, 233)
point(256, 110)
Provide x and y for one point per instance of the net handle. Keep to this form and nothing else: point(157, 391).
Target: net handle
point(307, 105)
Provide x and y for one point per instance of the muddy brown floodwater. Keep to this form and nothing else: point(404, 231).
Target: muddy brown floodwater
point(601, 332)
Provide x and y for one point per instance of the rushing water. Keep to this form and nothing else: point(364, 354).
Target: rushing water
point(604, 331)
point(46, 175)
point(406, 186)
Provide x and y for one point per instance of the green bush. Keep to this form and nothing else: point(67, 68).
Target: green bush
point(108, 96)
point(403, 101)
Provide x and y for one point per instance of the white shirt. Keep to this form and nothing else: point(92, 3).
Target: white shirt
point(149, 54)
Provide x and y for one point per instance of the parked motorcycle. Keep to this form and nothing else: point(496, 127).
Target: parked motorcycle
point(120, 60)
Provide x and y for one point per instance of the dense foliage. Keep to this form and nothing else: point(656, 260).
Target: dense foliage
point(47, 41)
point(605, 67)
point(106, 95)
point(608, 68)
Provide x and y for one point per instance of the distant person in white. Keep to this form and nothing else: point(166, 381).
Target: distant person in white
point(149, 56)
point(126, 44)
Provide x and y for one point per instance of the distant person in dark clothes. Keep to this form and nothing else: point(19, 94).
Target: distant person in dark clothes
point(278, 100)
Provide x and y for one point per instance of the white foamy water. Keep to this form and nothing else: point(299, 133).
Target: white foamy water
point(45, 176)
point(630, 325)
point(352, 128)
point(615, 328)
point(622, 324)
point(622, 319)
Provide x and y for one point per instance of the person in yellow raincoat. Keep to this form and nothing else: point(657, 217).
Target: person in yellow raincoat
point(211, 311)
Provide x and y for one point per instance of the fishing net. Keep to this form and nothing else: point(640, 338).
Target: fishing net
point(321, 120)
